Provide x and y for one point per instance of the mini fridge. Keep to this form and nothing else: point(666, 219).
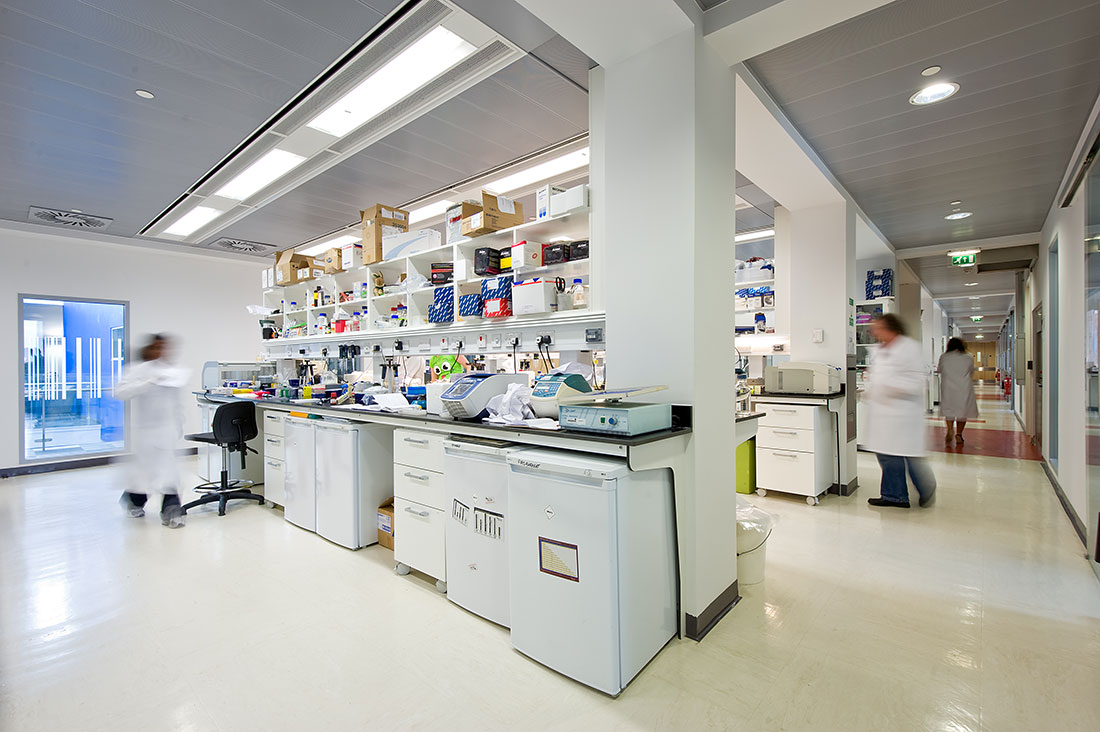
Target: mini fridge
point(476, 478)
point(354, 476)
point(592, 564)
point(300, 489)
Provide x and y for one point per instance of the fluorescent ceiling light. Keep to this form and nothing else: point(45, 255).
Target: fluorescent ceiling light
point(193, 220)
point(411, 69)
point(979, 336)
point(969, 284)
point(430, 211)
point(324, 246)
point(963, 252)
point(754, 235)
point(958, 215)
point(975, 297)
point(542, 171)
point(31, 301)
point(934, 93)
point(268, 168)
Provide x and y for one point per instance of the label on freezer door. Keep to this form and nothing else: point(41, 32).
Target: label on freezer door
point(559, 559)
point(488, 524)
point(460, 512)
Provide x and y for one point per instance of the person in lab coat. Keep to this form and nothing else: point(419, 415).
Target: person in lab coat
point(957, 400)
point(895, 414)
point(156, 424)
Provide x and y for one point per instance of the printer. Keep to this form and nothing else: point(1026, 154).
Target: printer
point(802, 377)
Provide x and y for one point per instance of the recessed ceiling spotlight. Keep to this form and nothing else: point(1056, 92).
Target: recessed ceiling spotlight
point(970, 284)
point(959, 215)
point(931, 70)
point(954, 203)
point(144, 94)
point(934, 93)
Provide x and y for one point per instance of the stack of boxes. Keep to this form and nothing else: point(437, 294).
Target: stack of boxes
point(442, 310)
point(496, 293)
point(381, 222)
point(880, 283)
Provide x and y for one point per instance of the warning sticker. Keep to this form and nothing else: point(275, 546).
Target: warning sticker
point(559, 559)
point(488, 524)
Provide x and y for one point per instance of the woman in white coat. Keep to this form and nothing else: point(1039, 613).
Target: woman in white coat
point(957, 400)
point(156, 424)
point(895, 414)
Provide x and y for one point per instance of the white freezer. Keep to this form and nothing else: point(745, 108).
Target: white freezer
point(299, 480)
point(354, 475)
point(592, 565)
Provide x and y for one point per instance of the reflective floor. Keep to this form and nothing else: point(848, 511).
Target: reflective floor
point(977, 614)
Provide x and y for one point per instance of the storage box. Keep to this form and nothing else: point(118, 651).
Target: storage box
point(411, 242)
point(442, 273)
point(378, 222)
point(506, 259)
point(385, 525)
point(455, 214)
point(574, 198)
point(497, 288)
point(470, 306)
point(487, 261)
point(527, 254)
point(578, 250)
point(534, 296)
point(441, 312)
point(351, 255)
point(444, 295)
point(542, 201)
point(555, 254)
point(497, 212)
point(334, 261)
point(291, 268)
point(498, 307)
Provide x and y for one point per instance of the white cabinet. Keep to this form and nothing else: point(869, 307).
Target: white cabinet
point(274, 481)
point(299, 483)
point(418, 531)
point(795, 449)
point(210, 456)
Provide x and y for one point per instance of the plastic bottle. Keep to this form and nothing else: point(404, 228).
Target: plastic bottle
point(580, 293)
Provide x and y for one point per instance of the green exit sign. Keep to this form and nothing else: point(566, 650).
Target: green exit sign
point(963, 260)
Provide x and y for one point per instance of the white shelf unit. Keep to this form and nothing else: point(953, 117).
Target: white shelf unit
point(379, 309)
point(865, 344)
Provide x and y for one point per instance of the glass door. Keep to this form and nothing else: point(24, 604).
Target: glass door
point(1092, 348)
point(73, 353)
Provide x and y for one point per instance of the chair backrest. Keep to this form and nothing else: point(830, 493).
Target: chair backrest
point(235, 423)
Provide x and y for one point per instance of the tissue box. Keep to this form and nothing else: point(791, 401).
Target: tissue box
point(486, 261)
point(441, 313)
point(470, 306)
point(498, 307)
point(575, 197)
point(410, 242)
point(444, 295)
point(497, 288)
point(527, 254)
point(534, 296)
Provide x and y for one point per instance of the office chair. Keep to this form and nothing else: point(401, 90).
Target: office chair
point(234, 425)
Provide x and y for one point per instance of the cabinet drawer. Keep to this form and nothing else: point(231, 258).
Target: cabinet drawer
point(273, 423)
point(788, 471)
point(799, 416)
point(418, 538)
point(785, 439)
point(418, 449)
point(274, 447)
point(274, 480)
point(419, 485)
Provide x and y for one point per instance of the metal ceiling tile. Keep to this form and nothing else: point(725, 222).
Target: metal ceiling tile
point(349, 20)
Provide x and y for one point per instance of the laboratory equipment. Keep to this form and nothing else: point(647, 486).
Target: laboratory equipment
point(469, 395)
point(549, 389)
point(242, 373)
point(591, 564)
point(606, 412)
point(802, 377)
point(476, 476)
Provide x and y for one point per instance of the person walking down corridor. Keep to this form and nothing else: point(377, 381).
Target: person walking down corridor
point(895, 415)
point(957, 400)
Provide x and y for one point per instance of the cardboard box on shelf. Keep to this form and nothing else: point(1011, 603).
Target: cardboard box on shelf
point(486, 261)
point(534, 296)
point(528, 254)
point(542, 201)
point(574, 198)
point(470, 306)
point(351, 255)
point(498, 307)
point(385, 525)
point(578, 250)
point(291, 268)
point(378, 222)
point(496, 288)
point(411, 242)
point(334, 261)
point(555, 253)
point(455, 214)
point(506, 259)
point(496, 213)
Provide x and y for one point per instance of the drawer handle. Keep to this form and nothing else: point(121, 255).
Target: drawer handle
point(273, 440)
point(785, 454)
point(415, 441)
point(785, 411)
point(414, 512)
point(414, 476)
point(273, 464)
point(784, 432)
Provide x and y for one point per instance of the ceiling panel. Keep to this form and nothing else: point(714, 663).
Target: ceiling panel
point(1029, 73)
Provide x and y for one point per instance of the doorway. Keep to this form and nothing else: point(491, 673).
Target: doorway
point(1037, 370)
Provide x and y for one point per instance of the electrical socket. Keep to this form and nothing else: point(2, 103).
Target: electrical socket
point(376, 348)
point(544, 339)
point(443, 342)
point(457, 343)
point(512, 340)
point(397, 346)
point(495, 340)
point(481, 341)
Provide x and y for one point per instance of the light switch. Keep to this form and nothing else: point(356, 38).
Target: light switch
point(818, 335)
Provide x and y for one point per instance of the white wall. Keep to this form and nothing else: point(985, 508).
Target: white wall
point(198, 298)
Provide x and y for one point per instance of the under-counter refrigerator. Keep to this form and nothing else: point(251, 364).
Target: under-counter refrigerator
point(354, 475)
point(300, 507)
point(592, 564)
point(476, 478)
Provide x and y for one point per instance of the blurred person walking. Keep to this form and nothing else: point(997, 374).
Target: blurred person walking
point(895, 415)
point(957, 400)
point(153, 388)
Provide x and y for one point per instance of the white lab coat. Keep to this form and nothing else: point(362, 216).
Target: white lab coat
point(895, 400)
point(156, 424)
point(957, 400)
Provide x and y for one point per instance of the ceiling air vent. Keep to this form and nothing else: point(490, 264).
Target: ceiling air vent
point(240, 246)
point(70, 219)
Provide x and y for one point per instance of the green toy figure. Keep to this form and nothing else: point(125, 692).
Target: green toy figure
point(443, 366)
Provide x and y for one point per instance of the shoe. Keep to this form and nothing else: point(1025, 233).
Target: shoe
point(884, 502)
point(173, 522)
point(959, 439)
point(130, 509)
point(926, 501)
point(947, 440)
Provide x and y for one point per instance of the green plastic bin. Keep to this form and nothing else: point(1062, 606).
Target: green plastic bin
point(746, 466)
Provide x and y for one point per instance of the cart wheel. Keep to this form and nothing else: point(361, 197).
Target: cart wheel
point(761, 492)
point(401, 569)
point(812, 500)
point(441, 586)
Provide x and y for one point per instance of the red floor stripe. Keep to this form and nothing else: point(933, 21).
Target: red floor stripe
point(988, 443)
point(969, 421)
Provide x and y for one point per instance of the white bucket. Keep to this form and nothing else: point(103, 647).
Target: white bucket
point(751, 548)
